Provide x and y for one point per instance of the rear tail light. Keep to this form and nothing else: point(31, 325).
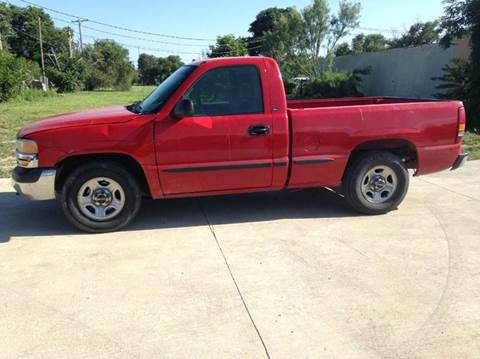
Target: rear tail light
point(462, 120)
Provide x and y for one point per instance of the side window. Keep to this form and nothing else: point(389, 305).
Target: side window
point(230, 90)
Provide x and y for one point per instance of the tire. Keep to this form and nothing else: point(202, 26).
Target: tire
point(100, 197)
point(376, 183)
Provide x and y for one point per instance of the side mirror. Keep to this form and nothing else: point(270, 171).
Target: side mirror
point(184, 108)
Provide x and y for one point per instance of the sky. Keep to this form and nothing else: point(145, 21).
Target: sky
point(208, 19)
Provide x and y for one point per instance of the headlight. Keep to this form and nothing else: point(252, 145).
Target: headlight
point(27, 153)
point(27, 146)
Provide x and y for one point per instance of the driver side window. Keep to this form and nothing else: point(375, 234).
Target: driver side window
point(232, 90)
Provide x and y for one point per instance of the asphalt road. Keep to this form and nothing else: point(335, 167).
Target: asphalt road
point(285, 275)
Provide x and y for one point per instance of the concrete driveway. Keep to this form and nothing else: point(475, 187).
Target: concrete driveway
point(285, 275)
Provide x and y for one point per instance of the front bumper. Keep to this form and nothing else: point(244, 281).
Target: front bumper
point(37, 184)
point(460, 161)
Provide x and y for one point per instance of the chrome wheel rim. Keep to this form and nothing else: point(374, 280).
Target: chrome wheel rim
point(101, 199)
point(379, 184)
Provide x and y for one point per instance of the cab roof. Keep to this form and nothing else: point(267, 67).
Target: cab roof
point(231, 60)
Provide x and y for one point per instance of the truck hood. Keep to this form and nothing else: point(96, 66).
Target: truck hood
point(110, 115)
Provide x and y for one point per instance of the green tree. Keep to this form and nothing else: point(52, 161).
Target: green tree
point(419, 34)
point(458, 20)
point(276, 33)
point(147, 69)
point(316, 21)
point(369, 43)
point(358, 44)
point(108, 66)
point(296, 39)
point(462, 17)
point(341, 24)
point(320, 29)
point(228, 45)
point(343, 49)
point(153, 70)
point(20, 25)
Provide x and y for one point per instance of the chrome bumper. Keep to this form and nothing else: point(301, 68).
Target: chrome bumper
point(38, 186)
point(460, 161)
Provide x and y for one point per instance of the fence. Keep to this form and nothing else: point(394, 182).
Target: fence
point(405, 72)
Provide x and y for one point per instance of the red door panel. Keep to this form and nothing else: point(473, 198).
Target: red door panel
point(208, 154)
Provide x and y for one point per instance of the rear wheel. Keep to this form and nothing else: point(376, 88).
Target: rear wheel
point(100, 197)
point(376, 183)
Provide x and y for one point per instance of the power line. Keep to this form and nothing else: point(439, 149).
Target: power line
point(371, 29)
point(145, 39)
point(131, 46)
point(147, 48)
point(128, 36)
point(115, 26)
point(230, 52)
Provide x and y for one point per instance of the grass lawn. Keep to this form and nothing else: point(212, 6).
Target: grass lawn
point(472, 145)
point(16, 114)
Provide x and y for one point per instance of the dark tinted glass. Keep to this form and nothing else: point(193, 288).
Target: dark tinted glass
point(227, 91)
point(162, 93)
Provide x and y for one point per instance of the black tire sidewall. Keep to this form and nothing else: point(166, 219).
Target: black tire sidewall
point(83, 174)
point(356, 176)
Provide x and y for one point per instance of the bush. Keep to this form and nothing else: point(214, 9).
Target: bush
point(330, 85)
point(14, 75)
point(456, 84)
point(291, 87)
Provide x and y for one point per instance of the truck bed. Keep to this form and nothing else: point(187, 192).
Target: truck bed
point(324, 133)
point(351, 101)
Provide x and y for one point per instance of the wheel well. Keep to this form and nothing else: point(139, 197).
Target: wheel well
point(67, 165)
point(402, 148)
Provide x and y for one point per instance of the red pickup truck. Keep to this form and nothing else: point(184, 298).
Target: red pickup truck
point(225, 126)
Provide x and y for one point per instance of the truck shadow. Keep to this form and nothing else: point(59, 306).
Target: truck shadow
point(20, 217)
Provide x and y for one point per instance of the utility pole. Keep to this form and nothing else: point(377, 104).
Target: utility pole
point(70, 40)
point(79, 21)
point(40, 37)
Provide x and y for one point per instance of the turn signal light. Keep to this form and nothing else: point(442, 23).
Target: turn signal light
point(462, 120)
point(27, 153)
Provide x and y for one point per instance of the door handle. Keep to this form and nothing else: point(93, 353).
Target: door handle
point(262, 130)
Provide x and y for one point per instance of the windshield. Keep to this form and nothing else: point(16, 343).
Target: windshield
point(155, 101)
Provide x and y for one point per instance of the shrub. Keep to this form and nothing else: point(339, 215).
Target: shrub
point(291, 87)
point(14, 75)
point(70, 77)
point(331, 85)
point(456, 84)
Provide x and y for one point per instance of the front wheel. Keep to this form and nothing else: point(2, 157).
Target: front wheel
point(100, 197)
point(376, 183)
